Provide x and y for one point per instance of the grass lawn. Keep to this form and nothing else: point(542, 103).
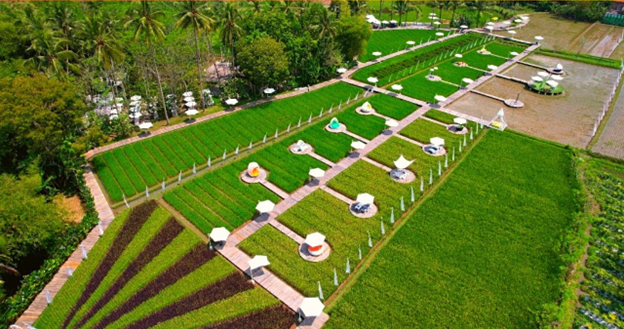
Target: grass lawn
point(390, 41)
point(479, 253)
point(417, 86)
point(423, 130)
point(412, 16)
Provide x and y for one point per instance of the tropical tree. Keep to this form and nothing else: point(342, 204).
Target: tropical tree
point(453, 6)
point(479, 6)
point(146, 25)
point(230, 30)
point(193, 15)
point(357, 6)
point(50, 55)
point(401, 6)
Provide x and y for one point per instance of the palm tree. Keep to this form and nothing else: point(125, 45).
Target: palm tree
point(50, 56)
point(229, 27)
point(325, 27)
point(256, 6)
point(454, 5)
point(479, 6)
point(193, 15)
point(146, 24)
point(380, 4)
point(401, 6)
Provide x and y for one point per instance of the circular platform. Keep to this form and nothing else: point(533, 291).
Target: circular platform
point(545, 89)
point(452, 128)
point(460, 64)
point(441, 151)
point(484, 52)
point(303, 252)
point(294, 149)
point(410, 177)
point(251, 180)
point(372, 211)
point(342, 128)
point(433, 77)
point(514, 103)
point(552, 71)
point(359, 110)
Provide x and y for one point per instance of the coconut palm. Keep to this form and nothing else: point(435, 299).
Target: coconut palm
point(146, 25)
point(479, 6)
point(193, 15)
point(50, 55)
point(401, 6)
point(453, 6)
point(230, 30)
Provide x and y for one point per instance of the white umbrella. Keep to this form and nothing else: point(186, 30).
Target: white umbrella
point(490, 28)
point(468, 81)
point(463, 26)
point(552, 83)
point(397, 87)
point(512, 32)
point(539, 38)
point(188, 94)
point(269, 91)
point(372, 80)
point(365, 198)
point(492, 67)
point(402, 162)
point(460, 121)
point(135, 115)
point(385, 22)
point(191, 104)
point(513, 53)
point(191, 112)
point(437, 23)
point(437, 141)
point(357, 145)
point(258, 261)
point(411, 43)
point(376, 53)
point(135, 103)
point(113, 111)
point(557, 77)
point(543, 74)
point(507, 22)
point(265, 206)
point(435, 18)
point(316, 172)
point(524, 18)
point(440, 34)
point(231, 101)
point(114, 116)
point(170, 96)
point(459, 55)
point(206, 91)
point(119, 99)
point(518, 20)
point(391, 123)
point(219, 234)
point(135, 98)
point(537, 79)
point(559, 67)
point(341, 70)
point(311, 307)
point(440, 98)
point(314, 239)
point(146, 125)
point(489, 23)
point(189, 99)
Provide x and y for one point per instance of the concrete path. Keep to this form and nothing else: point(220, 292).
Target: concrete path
point(322, 159)
point(274, 188)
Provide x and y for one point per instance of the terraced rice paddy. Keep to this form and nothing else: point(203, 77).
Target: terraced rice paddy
point(390, 41)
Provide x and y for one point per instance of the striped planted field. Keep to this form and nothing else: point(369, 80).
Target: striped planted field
point(149, 271)
point(129, 169)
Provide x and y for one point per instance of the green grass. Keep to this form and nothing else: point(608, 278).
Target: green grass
point(390, 41)
point(454, 74)
point(440, 116)
point(419, 87)
point(481, 252)
point(391, 107)
point(423, 130)
point(128, 169)
point(389, 151)
point(583, 58)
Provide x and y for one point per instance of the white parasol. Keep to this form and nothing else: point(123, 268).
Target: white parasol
point(365, 198)
point(376, 53)
point(440, 34)
point(219, 234)
point(492, 67)
point(437, 141)
point(440, 98)
point(467, 81)
point(460, 121)
point(513, 53)
point(191, 104)
point(539, 38)
point(341, 70)
point(463, 26)
point(189, 99)
point(459, 55)
point(269, 91)
point(391, 123)
point(402, 162)
point(258, 261)
point(265, 206)
point(231, 101)
point(314, 239)
point(512, 32)
point(191, 112)
point(316, 172)
point(146, 125)
point(397, 87)
point(411, 43)
point(311, 307)
point(372, 80)
point(357, 145)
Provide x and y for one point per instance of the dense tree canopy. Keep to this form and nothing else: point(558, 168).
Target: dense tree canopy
point(264, 62)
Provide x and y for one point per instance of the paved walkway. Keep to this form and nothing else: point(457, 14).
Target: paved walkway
point(273, 188)
point(322, 159)
point(514, 79)
point(487, 95)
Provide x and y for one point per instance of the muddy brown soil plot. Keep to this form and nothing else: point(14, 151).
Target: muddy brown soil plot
point(567, 119)
point(557, 32)
point(611, 140)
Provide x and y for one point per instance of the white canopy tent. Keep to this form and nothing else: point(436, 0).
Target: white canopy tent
point(316, 172)
point(437, 141)
point(191, 112)
point(311, 307)
point(365, 198)
point(219, 234)
point(231, 101)
point(187, 94)
point(265, 206)
point(402, 162)
point(341, 70)
point(258, 261)
point(314, 239)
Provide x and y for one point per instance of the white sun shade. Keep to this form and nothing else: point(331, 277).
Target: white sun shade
point(435, 18)
point(402, 162)
point(512, 32)
point(376, 53)
point(311, 307)
point(365, 198)
point(440, 34)
point(559, 67)
point(459, 55)
point(146, 125)
point(513, 53)
point(543, 74)
point(539, 37)
point(357, 145)
point(113, 111)
point(191, 104)
point(552, 83)
point(269, 91)
point(219, 234)
point(258, 262)
point(437, 23)
point(397, 87)
point(385, 22)
point(518, 20)
point(463, 26)
point(372, 80)
point(440, 98)
point(557, 77)
point(265, 206)
point(411, 43)
point(191, 112)
point(314, 239)
point(188, 94)
point(206, 91)
point(231, 101)
point(391, 123)
point(467, 80)
point(135, 103)
point(189, 99)
point(437, 141)
point(524, 18)
point(492, 67)
point(114, 116)
point(489, 23)
point(316, 172)
point(507, 22)
point(135, 98)
point(393, 21)
point(135, 115)
point(460, 121)
point(490, 28)
point(341, 70)
point(537, 79)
